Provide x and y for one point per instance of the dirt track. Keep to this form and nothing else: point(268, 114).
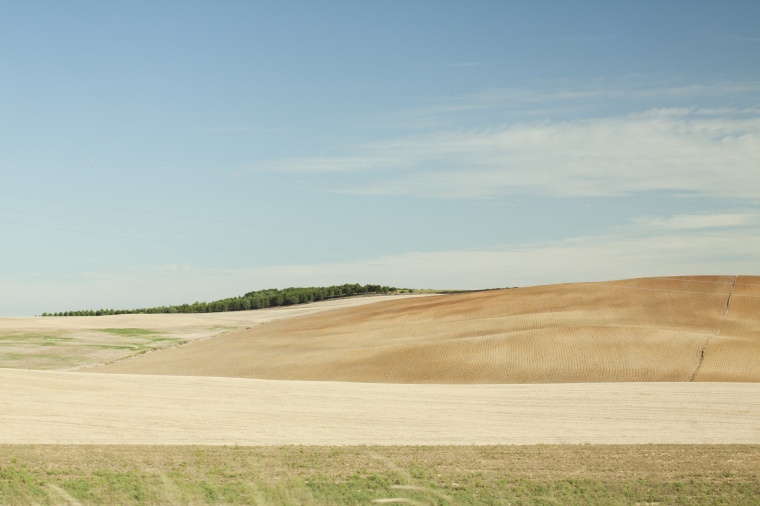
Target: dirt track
point(85, 408)
point(652, 329)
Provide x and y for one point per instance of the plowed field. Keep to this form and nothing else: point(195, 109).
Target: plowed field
point(699, 328)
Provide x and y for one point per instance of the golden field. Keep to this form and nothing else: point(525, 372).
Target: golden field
point(653, 330)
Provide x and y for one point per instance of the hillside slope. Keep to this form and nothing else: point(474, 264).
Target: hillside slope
point(700, 328)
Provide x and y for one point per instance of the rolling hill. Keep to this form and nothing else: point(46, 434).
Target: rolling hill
point(698, 328)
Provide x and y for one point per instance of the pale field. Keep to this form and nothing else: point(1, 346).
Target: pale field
point(68, 343)
point(605, 363)
point(51, 407)
point(654, 329)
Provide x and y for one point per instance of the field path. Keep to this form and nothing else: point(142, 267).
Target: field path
point(51, 407)
point(717, 332)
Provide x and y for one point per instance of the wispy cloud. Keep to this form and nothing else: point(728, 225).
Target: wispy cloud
point(568, 98)
point(699, 221)
point(674, 149)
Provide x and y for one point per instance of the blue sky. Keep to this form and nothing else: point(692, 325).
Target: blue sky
point(166, 152)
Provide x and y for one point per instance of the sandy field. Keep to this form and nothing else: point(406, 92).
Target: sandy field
point(655, 329)
point(84, 408)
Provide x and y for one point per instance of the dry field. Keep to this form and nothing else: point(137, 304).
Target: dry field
point(69, 343)
point(654, 329)
point(645, 363)
point(49, 407)
point(582, 363)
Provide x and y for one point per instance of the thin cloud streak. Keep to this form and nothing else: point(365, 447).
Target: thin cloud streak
point(699, 221)
point(568, 93)
point(675, 149)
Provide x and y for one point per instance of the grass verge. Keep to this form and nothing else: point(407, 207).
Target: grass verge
point(498, 475)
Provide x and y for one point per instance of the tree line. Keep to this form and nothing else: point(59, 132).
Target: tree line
point(260, 299)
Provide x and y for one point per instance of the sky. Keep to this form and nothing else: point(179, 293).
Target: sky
point(163, 152)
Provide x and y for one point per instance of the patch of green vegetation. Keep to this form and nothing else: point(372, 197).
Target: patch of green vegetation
point(178, 487)
point(138, 342)
point(20, 485)
point(36, 360)
point(33, 339)
point(10, 357)
point(159, 339)
point(129, 332)
point(568, 475)
point(145, 344)
point(113, 487)
point(116, 347)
